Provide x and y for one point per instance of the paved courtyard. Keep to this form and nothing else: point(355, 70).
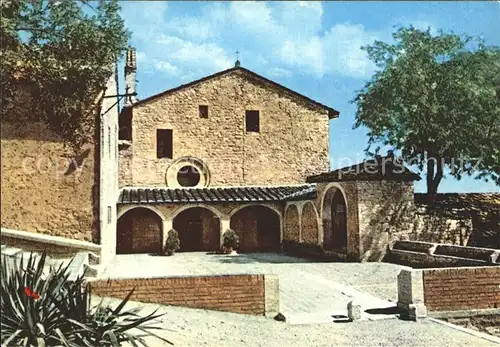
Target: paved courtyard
point(310, 292)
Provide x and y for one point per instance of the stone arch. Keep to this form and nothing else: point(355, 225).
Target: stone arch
point(139, 230)
point(240, 207)
point(309, 227)
point(258, 227)
point(214, 210)
point(199, 228)
point(152, 208)
point(291, 223)
point(334, 212)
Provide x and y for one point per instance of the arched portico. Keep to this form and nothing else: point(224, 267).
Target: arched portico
point(334, 219)
point(199, 229)
point(258, 227)
point(139, 230)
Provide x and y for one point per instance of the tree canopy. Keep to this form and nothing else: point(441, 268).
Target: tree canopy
point(63, 52)
point(435, 99)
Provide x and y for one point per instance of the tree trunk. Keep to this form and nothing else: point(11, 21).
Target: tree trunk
point(433, 180)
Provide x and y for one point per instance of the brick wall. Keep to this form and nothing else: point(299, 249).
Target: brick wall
point(232, 293)
point(292, 143)
point(461, 288)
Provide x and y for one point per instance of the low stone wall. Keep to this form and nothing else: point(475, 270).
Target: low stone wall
point(249, 294)
point(55, 246)
point(451, 292)
point(430, 255)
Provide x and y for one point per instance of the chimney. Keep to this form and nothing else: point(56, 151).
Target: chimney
point(130, 70)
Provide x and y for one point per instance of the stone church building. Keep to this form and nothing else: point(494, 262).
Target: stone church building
point(233, 150)
point(237, 150)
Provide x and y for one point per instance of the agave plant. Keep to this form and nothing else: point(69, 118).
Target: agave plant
point(41, 307)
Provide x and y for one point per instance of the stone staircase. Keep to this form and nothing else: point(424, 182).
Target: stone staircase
point(83, 263)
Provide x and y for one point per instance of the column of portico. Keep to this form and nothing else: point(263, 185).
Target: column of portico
point(167, 225)
point(225, 223)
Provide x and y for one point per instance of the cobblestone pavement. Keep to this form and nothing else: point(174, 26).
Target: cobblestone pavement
point(310, 292)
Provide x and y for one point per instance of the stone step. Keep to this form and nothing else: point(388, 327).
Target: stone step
point(84, 263)
point(12, 252)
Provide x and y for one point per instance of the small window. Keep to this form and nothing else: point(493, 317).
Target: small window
point(188, 176)
point(109, 214)
point(164, 143)
point(203, 111)
point(252, 121)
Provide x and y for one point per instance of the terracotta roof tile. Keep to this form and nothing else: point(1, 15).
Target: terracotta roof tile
point(216, 195)
point(376, 169)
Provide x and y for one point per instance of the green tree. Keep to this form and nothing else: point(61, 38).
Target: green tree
point(63, 53)
point(435, 98)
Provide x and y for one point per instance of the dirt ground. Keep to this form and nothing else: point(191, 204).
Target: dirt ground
point(489, 324)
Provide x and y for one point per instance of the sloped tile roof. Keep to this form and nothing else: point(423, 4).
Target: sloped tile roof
point(376, 169)
point(216, 195)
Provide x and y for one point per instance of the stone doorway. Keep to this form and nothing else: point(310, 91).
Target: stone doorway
point(258, 228)
point(139, 231)
point(335, 220)
point(199, 230)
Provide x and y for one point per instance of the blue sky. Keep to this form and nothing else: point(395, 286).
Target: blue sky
point(310, 47)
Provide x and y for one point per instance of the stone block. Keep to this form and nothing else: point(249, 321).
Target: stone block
point(353, 311)
point(271, 295)
point(417, 311)
point(410, 287)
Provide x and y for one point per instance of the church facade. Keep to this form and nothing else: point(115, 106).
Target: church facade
point(235, 150)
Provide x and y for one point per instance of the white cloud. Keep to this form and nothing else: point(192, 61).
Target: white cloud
point(193, 28)
point(198, 55)
point(165, 66)
point(174, 46)
point(279, 72)
point(274, 37)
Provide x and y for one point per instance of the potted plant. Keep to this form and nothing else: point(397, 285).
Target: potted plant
point(231, 242)
point(173, 243)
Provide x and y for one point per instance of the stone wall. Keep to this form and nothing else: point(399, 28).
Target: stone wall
point(385, 214)
point(309, 224)
point(437, 227)
point(232, 293)
point(46, 188)
point(432, 255)
point(291, 230)
point(54, 246)
point(291, 145)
